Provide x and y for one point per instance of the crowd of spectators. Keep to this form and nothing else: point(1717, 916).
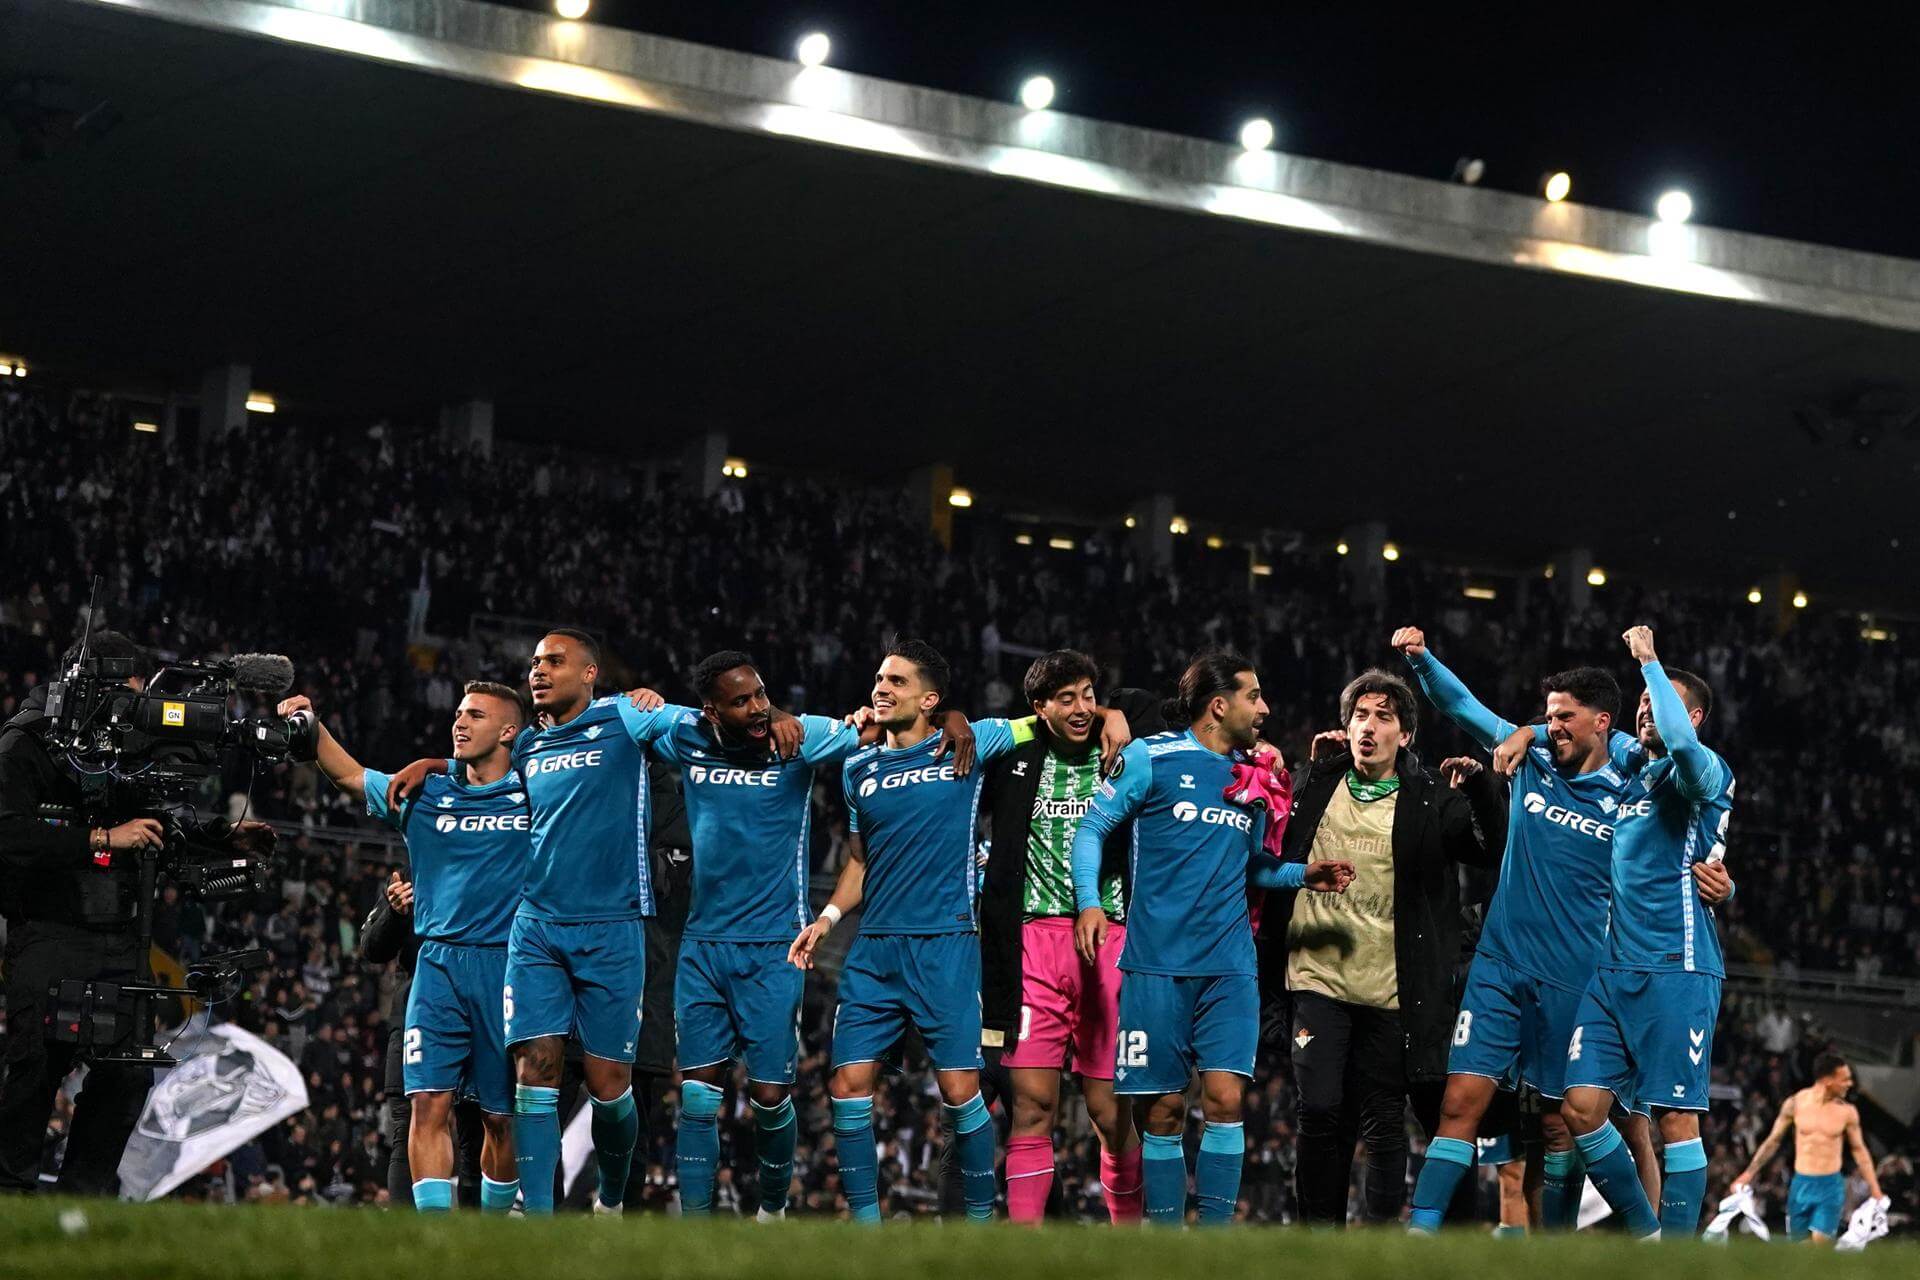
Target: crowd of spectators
point(390, 567)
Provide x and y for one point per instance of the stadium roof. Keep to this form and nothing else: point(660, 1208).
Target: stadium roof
point(623, 240)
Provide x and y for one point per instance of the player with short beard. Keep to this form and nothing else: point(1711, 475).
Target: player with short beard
point(1189, 999)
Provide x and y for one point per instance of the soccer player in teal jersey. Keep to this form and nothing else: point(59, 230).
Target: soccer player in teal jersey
point(468, 840)
point(1644, 1033)
point(1190, 998)
point(735, 995)
point(1545, 927)
point(576, 960)
point(917, 957)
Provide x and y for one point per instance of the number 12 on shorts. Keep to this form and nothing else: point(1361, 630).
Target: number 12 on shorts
point(1132, 1049)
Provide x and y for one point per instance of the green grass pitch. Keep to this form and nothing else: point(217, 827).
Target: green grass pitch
point(126, 1242)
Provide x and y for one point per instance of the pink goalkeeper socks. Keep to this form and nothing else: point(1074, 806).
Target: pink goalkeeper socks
point(1029, 1178)
point(1120, 1179)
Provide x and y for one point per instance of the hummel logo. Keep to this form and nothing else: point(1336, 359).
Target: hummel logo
point(1186, 782)
point(446, 802)
point(1119, 1073)
point(1680, 1090)
point(1695, 1055)
point(1696, 1036)
point(594, 731)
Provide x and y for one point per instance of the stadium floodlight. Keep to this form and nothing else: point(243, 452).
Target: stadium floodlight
point(572, 10)
point(1131, 522)
point(1256, 134)
point(1559, 186)
point(1037, 93)
point(813, 49)
point(1799, 599)
point(1753, 595)
point(959, 497)
point(1480, 593)
point(1022, 539)
point(6, 368)
point(1390, 552)
point(1215, 542)
point(260, 402)
point(1674, 206)
point(1178, 525)
point(734, 468)
point(1596, 577)
point(148, 428)
point(1340, 548)
point(1261, 570)
point(1060, 544)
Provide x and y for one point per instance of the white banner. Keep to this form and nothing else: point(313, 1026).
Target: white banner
point(230, 1086)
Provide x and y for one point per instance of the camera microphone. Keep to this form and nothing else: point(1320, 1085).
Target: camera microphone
point(263, 672)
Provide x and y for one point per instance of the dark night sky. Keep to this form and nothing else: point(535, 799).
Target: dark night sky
point(1808, 128)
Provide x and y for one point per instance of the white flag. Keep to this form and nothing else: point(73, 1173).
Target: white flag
point(230, 1086)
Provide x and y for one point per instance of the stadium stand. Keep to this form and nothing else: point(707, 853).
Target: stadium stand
point(353, 552)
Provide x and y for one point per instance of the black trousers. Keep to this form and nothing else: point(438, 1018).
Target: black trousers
point(1350, 1072)
point(110, 1101)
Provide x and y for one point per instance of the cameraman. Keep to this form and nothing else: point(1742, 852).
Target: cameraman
point(68, 893)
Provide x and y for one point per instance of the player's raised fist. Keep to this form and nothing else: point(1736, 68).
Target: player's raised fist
point(1327, 745)
point(1640, 643)
point(1411, 641)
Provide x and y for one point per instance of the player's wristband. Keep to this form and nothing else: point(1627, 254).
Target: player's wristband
point(831, 914)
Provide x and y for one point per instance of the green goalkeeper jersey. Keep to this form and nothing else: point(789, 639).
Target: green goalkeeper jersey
point(1066, 792)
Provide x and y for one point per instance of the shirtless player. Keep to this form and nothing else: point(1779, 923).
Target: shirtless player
point(1821, 1115)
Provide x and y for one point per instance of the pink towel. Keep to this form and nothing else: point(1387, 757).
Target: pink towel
point(1262, 784)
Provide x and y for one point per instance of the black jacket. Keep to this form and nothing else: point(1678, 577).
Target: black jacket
point(1434, 828)
point(1013, 781)
point(46, 872)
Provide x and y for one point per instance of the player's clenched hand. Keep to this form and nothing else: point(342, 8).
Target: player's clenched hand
point(1090, 934)
point(405, 784)
point(645, 700)
point(956, 735)
point(1640, 644)
point(400, 895)
point(1411, 641)
point(800, 954)
point(1329, 876)
point(1328, 744)
point(786, 733)
point(1715, 885)
point(1508, 755)
point(1457, 770)
point(290, 705)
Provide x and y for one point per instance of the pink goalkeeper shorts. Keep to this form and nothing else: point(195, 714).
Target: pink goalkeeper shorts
point(1066, 1001)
